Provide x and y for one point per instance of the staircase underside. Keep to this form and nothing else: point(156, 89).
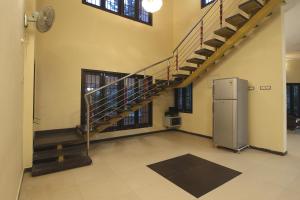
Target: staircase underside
point(133, 108)
point(236, 37)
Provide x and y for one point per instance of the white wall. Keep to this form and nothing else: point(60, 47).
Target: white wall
point(11, 97)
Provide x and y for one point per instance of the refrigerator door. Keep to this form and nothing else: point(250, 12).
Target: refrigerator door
point(225, 89)
point(224, 125)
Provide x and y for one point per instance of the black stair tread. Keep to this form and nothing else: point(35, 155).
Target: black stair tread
point(52, 139)
point(251, 7)
point(55, 166)
point(180, 75)
point(164, 84)
point(205, 52)
point(54, 153)
point(237, 20)
point(188, 68)
point(157, 86)
point(161, 82)
point(196, 61)
point(100, 123)
point(214, 43)
point(225, 32)
point(156, 94)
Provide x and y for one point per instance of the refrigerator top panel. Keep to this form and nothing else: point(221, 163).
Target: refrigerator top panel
point(225, 89)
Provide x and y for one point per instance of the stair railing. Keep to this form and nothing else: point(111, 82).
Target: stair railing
point(101, 105)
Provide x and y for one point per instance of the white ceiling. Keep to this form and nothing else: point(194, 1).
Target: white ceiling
point(292, 26)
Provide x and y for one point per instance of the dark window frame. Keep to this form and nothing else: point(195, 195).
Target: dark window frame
point(120, 125)
point(291, 99)
point(121, 11)
point(204, 4)
point(184, 108)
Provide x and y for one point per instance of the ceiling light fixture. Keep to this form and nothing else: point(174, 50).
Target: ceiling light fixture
point(152, 6)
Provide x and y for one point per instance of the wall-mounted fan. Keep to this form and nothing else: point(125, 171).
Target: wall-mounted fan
point(44, 19)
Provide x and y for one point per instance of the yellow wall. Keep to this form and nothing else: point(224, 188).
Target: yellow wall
point(11, 78)
point(293, 71)
point(85, 37)
point(28, 89)
point(258, 59)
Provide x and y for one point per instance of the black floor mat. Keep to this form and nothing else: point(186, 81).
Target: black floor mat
point(193, 174)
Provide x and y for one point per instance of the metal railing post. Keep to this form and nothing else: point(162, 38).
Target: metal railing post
point(169, 66)
point(221, 13)
point(177, 61)
point(87, 123)
point(201, 33)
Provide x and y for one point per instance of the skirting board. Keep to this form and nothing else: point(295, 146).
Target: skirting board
point(20, 186)
point(166, 130)
point(195, 134)
point(270, 151)
point(128, 136)
point(253, 147)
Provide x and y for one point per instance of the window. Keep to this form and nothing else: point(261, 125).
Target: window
point(131, 9)
point(184, 99)
point(205, 3)
point(117, 95)
point(293, 99)
point(112, 5)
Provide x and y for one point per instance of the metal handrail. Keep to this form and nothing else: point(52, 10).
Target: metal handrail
point(162, 61)
point(119, 96)
point(195, 26)
point(129, 75)
point(131, 95)
point(148, 76)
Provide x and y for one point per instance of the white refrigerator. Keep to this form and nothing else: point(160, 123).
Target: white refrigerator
point(230, 113)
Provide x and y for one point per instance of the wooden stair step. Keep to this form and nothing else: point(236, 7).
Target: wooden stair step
point(188, 68)
point(69, 162)
point(214, 43)
point(161, 82)
point(181, 76)
point(197, 61)
point(225, 32)
point(237, 20)
point(100, 123)
point(205, 52)
point(251, 7)
point(156, 94)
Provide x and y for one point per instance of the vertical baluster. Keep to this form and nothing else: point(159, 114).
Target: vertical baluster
point(168, 75)
point(201, 33)
point(144, 85)
point(125, 94)
point(221, 13)
point(87, 124)
point(177, 60)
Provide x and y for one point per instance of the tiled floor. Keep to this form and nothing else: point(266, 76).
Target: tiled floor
point(119, 172)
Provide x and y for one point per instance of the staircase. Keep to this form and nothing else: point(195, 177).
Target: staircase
point(59, 150)
point(194, 55)
point(222, 26)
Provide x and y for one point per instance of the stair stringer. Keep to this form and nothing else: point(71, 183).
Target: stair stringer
point(126, 113)
point(241, 33)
